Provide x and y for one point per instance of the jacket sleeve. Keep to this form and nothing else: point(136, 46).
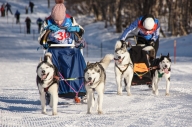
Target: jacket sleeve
point(157, 32)
point(131, 28)
point(74, 23)
point(42, 33)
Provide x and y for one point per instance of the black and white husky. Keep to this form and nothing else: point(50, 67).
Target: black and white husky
point(95, 77)
point(47, 84)
point(163, 70)
point(123, 67)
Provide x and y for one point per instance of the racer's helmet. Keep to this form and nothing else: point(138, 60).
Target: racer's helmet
point(148, 22)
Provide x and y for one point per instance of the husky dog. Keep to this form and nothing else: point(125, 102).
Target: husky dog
point(95, 77)
point(163, 70)
point(47, 84)
point(123, 67)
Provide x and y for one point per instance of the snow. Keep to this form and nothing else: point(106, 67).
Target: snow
point(19, 97)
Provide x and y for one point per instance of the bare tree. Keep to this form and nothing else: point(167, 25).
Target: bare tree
point(119, 6)
point(48, 3)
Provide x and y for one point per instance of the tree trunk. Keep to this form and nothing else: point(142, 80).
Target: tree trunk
point(118, 16)
point(48, 2)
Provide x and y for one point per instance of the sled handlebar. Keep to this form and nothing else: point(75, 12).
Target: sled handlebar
point(48, 31)
point(135, 38)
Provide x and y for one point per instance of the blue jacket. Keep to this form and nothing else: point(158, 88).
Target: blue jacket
point(62, 36)
point(137, 28)
point(17, 13)
point(39, 21)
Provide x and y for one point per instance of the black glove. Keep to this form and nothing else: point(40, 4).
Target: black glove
point(46, 46)
point(123, 43)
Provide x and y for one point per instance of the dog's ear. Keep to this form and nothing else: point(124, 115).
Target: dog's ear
point(88, 63)
point(40, 60)
point(168, 55)
point(49, 60)
point(160, 55)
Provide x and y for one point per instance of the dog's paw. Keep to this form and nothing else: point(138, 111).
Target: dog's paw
point(129, 94)
point(100, 112)
point(119, 93)
point(44, 112)
point(88, 112)
point(167, 94)
point(54, 113)
point(156, 93)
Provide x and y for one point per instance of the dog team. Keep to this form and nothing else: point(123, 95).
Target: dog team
point(95, 77)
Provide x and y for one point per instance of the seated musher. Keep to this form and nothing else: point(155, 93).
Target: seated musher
point(68, 60)
point(148, 28)
point(58, 19)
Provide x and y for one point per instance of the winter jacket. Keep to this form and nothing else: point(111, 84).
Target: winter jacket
point(68, 21)
point(17, 13)
point(39, 21)
point(136, 28)
point(8, 6)
point(28, 21)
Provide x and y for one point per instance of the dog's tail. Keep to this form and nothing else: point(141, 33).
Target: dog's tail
point(106, 60)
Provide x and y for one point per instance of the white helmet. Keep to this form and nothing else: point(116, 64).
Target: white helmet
point(148, 23)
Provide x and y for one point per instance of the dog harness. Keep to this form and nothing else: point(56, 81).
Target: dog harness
point(160, 75)
point(122, 71)
point(46, 89)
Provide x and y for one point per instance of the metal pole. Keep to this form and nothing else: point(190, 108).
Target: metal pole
point(7, 18)
point(25, 30)
point(101, 49)
point(175, 50)
point(87, 49)
point(33, 34)
point(12, 22)
point(20, 27)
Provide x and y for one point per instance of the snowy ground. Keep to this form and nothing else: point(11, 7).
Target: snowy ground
point(19, 97)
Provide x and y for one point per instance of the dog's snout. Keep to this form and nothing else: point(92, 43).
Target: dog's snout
point(89, 78)
point(165, 66)
point(43, 71)
point(119, 57)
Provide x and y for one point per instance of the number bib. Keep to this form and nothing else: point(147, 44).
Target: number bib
point(61, 37)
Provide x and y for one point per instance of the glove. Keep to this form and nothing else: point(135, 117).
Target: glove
point(80, 43)
point(46, 46)
point(123, 43)
point(73, 29)
point(53, 28)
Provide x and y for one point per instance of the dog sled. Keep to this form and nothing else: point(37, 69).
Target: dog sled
point(140, 55)
point(69, 61)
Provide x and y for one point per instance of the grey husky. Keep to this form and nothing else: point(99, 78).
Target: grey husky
point(123, 67)
point(47, 83)
point(163, 65)
point(95, 77)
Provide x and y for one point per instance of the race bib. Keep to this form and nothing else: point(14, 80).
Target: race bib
point(61, 37)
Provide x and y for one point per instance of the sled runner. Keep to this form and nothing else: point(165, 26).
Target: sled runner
point(140, 56)
point(68, 58)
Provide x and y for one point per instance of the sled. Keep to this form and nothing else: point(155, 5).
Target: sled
point(70, 64)
point(141, 63)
